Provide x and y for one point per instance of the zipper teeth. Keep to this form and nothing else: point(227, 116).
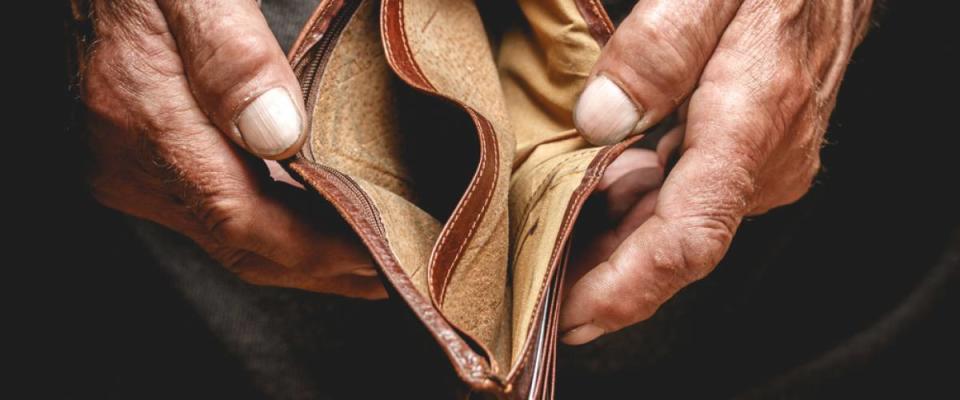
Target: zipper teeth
point(319, 54)
point(324, 47)
point(309, 73)
point(368, 210)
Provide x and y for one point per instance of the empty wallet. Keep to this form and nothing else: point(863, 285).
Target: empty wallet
point(444, 136)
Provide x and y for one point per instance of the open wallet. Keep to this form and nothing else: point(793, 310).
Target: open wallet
point(444, 137)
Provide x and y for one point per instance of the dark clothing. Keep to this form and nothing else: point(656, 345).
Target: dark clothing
point(848, 291)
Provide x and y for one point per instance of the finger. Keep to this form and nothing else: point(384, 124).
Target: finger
point(292, 228)
point(636, 172)
point(158, 157)
point(651, 63)
point(628, 189)
point(630, 176)
point(750, 95)
point(695, 217)
point(280, 175)
point(239, 74)
point(260, 271)
point(599, 244)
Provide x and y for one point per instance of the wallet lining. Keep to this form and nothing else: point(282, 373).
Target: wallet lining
point(391, 140)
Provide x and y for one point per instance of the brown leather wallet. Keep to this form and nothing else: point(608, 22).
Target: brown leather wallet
point(449, 147)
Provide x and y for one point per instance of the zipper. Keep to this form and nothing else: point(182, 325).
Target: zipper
point(322, 49)
point(368, 210)
point(309, 79)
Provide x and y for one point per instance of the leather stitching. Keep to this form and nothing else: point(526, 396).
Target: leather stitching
point(528, 200)
point(593, 174)
point(318, 22)
point(408, 66)
point(602, 16)
point(376, 243)
point(486, 201)
point(484, 130)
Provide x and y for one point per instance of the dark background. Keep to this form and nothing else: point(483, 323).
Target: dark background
point(852, 291)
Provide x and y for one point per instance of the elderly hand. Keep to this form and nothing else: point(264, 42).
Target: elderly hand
point(168, 85)
point(753, 83)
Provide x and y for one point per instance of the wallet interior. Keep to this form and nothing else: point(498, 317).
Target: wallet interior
point(468, 166)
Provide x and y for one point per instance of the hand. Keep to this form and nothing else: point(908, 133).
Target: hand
point(755, 82)
point(168, 86)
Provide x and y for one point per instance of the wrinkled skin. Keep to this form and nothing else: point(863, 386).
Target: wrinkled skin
point(754, 83)
point(163, 87)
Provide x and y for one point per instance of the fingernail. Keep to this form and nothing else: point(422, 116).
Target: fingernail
point(271, 124)
point(604, 114)
point(582, 334)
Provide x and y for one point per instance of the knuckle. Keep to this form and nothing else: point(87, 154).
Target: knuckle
point(100, 85)
point(658, 49)
point(785, 96)
point(777, 84)
point(624, 309)
point(245, 265)
point(117, 78)
point(156, 159)
point(804, 182)
point(666, 64)
point(621, 310)
point(245, 55)
point(793, 195)
point(225, 218)
point(630, 300)
point(670, 269)
point(238, 261)
point(724, 187)
point(702, 244)
point(792, 84)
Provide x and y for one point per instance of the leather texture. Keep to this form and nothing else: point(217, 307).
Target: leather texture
point(452, 153)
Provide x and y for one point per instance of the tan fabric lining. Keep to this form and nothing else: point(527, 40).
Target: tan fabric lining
point(528, 98)
point(410, 231)
point(543, 67)
point(450, 45)
point(358, 130)
point(358, 133)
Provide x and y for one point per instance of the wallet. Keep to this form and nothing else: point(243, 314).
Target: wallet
point(443, 134)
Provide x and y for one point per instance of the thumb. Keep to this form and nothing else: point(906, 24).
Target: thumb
point(238, 74)
point(651, 63)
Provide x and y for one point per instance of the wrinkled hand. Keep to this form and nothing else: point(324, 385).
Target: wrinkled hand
point(754, 82)
point(168, 85)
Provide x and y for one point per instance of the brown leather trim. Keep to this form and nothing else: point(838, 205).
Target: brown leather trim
point(473, 205)
point(533, 382)
point(358, 211)
point(590, 180)
point(313, 30)
point(601, 28)
point(470, 210)
point(549, 379)
point(472, 368)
